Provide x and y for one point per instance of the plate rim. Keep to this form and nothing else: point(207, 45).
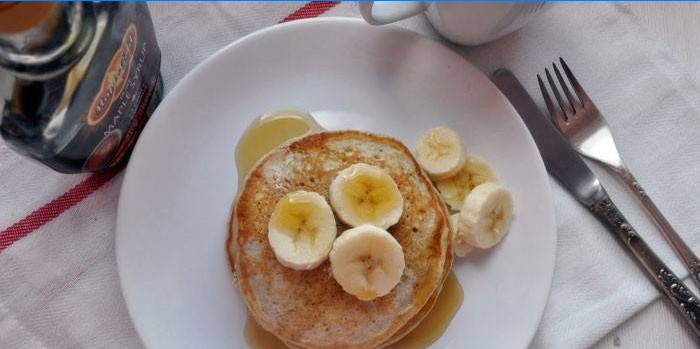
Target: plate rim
point(547, 201)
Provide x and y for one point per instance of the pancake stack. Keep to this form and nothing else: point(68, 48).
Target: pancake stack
point(308, 308)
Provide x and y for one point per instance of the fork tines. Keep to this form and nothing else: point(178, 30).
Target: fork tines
point(565, 111)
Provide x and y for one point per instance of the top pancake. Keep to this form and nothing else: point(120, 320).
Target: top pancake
point(308, 308)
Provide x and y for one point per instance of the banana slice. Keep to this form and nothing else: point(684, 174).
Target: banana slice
point(486, 215)
point(366, 194)
point(367, 262)
point(301, 230)
point(456, 188)
point(460, 245)
point(441, 152)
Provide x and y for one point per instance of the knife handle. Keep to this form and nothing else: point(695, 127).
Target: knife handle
point(687, 256)
point(682, 298)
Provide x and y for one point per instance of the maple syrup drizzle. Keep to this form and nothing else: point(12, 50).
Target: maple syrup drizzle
point(268, 132)
point(435, 324)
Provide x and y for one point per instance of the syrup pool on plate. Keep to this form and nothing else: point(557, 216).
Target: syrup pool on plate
point(270, 131)
point(435, 324)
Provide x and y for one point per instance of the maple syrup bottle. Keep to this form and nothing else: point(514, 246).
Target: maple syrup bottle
point(78, 81)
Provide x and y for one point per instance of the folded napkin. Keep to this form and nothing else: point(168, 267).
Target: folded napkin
point(59, 286)
point(651, 104)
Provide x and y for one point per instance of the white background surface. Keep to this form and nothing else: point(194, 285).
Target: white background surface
point(657, 326)
point(58, 286)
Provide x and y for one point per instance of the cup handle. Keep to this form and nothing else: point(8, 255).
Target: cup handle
point(384, 12)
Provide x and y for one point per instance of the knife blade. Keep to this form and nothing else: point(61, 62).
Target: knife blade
point(565, 165)
point(561, 160)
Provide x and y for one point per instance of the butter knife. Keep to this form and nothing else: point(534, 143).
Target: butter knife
point(566, 166)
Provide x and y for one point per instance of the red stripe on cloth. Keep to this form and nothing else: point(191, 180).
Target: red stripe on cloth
point(53, 209)
point(83, 189)
point(311, 9)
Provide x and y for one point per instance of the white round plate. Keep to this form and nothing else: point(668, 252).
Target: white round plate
point(181, 180)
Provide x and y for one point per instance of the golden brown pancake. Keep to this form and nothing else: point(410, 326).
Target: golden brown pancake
point(418, 318)
point(309, 309)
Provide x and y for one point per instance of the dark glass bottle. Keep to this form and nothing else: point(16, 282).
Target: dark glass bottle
point(81, 80)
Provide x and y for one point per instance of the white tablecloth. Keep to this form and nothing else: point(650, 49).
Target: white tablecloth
point(58, 284)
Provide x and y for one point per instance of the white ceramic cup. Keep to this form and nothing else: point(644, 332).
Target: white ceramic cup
point(466, 23)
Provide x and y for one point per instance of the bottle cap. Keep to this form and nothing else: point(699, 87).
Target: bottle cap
point(17, 17)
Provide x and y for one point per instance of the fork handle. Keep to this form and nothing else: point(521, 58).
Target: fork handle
point(690, 260)
point(682, 298)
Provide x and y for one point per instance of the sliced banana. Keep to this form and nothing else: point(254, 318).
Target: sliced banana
point(460, 245)
point(367, 262)
point(441, 152)
point(366, 194)
point(456, 188)
point(301, 230)
point(486, 214)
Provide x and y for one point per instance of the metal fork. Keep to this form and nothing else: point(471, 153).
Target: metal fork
point(582, 124)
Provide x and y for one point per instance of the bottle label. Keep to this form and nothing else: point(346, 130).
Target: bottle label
point(122, 104)
point(104, 151)
point(115, 78)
